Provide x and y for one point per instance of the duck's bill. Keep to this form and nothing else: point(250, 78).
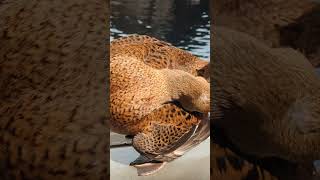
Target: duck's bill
point(147, 169)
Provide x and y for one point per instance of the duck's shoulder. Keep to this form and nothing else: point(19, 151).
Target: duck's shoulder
point(150, 46)
point(135, 39)
point(152, 51)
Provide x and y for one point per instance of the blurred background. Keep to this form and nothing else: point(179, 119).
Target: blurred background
point(183, 23)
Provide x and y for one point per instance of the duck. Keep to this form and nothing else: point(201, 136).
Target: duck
point(265, 100)
point(159, 99)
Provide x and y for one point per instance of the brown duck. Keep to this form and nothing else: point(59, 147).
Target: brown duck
point(266, 100)
point(164, 109)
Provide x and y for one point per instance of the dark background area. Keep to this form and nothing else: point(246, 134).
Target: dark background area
point(185, 24)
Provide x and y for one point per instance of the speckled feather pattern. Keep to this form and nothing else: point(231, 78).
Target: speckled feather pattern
point(149, 84)
point(167, 125)
point(159, 54)
point(255, 89)
point(261, 19)
point(142, 70)
point(53, 90)
point(137, 89)
point(226, 165)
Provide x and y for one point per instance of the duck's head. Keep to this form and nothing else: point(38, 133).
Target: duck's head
point(191, 92)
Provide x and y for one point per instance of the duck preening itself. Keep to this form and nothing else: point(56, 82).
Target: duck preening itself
point(157, 96)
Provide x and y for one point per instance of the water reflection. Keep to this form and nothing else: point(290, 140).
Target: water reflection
point(183, 23)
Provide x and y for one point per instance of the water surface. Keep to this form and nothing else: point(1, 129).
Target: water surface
point(183, 23)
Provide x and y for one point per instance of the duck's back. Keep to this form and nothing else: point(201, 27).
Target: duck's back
point(157, 54)
point(135, 90)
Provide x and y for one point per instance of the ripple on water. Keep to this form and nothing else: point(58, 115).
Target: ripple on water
point(184, 24)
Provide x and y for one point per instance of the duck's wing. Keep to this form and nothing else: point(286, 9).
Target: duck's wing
point(201, 133)
point(171, 132)
point(169, 128)
point(150, 50)
point(145, 163)
point(157, 145)
point(135, 39)
point(162, 139)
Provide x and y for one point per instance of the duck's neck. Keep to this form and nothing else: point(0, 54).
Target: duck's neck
point(192, 92)
point(180, 83)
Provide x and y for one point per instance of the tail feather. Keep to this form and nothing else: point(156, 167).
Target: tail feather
point(202, 132)
point(147, 169)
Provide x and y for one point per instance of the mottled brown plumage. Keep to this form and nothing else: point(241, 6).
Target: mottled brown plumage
point(226, 165)
point(261, 19)
point(53, 90)
point(137, 90)
point(159, 54)
point(278, 23)
point(266, 100)
point(142, 90)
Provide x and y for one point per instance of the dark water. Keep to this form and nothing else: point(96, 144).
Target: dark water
point(183, 23)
